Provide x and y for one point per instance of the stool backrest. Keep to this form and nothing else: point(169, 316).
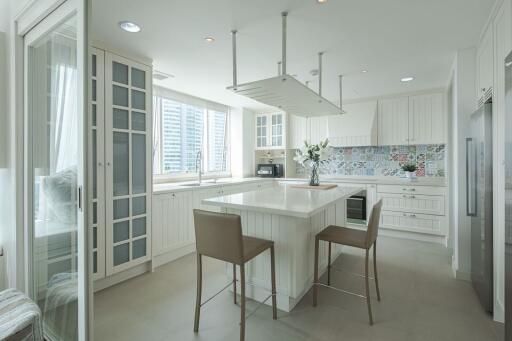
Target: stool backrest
point(373, 224)
point(219, 235)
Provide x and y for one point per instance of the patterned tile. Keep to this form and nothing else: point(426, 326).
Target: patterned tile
point(384, 161)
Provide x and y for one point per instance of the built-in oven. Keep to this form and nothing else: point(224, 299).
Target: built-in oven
point(356, 208)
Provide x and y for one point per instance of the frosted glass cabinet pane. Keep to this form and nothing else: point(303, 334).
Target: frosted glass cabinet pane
point(120, 118)
point(94, 86)
point(138, 121)
point(121, 231)
point(94, 163)
point(94, 65)
point(120, 73)
point(121, 208)
point(120, 96)
point(138, 163)
point(138, 78)
point(138, 227)
point(139, 248)
point(138, 100)
point(121, 163)
point(121, 254)
point(138, 205)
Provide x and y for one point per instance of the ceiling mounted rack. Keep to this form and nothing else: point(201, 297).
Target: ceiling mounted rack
point(284, 91)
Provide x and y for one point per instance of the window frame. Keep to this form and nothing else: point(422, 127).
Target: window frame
point(206, 106)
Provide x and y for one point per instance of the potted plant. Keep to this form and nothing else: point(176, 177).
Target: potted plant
point(410, 170)
point(311, 156)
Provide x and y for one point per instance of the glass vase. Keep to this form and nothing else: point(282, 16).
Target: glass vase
point(314, 180)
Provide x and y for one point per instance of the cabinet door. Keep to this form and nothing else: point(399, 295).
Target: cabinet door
point(96, 159)
point(128, 125)
point(318, 129)
point(485, 63)
point(413, 203)
point(277, 133)
point(427, 119)
point(262, 140)
point(297, 131)
point(422, 223)
point(394, 121)
point(173, 225)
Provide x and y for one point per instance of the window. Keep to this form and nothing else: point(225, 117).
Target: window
point(185, 126)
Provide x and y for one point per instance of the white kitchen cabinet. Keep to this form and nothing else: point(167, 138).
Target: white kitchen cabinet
point(393, 121)
point(427, 119)
point(485, 63)
point(297, 131)
point(318, 129)
point(173, 222)
point(96, 161)
point(271, 131)
point(128, 156)
point(420, 209)
point(357, 127)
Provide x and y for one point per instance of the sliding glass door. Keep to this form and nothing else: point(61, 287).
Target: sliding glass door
point(57, 260)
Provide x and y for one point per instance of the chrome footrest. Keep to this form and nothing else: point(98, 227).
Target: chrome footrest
point(339, 290)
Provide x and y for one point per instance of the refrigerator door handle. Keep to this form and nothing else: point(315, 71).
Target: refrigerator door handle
point(470, 178)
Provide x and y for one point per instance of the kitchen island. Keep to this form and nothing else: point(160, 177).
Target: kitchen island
point(290, 217)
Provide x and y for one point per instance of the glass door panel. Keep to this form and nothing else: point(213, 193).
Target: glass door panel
point(54, 145)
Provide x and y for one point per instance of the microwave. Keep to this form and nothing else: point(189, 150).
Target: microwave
point(270, 170)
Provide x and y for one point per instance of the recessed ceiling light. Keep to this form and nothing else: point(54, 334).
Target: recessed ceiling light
point(129, 26)
point(364, 71)
point(209, 39)
point(407, 79)
point(321, 1)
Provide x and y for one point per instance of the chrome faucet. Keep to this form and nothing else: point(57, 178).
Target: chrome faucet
point(199, 166)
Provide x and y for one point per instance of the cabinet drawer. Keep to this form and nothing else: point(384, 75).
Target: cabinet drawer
point(411, 189)
point(422, 223)
point(413, 203)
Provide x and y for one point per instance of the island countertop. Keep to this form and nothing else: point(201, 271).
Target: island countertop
point(284, 200)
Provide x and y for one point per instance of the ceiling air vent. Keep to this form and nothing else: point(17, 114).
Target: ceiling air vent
point(160, 76)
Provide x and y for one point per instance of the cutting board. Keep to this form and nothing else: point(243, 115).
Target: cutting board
point(319, 187)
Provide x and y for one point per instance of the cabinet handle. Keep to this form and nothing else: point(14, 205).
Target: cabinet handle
point(100, 164)
point(409, 215)
point(483, 89)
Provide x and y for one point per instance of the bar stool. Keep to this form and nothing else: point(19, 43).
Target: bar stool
point(355, 238)
point(219, 235)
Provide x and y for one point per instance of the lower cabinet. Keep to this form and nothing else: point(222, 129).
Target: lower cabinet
point(173, 221)
point(420, 209)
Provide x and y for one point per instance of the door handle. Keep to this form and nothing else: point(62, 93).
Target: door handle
point(471, 178)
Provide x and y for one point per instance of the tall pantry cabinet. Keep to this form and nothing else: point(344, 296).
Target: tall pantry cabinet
point(120, 157)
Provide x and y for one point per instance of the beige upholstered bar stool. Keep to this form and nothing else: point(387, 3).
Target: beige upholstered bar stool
point(219, 235)
point(356, 238)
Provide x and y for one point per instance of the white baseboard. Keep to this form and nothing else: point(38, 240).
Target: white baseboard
point(413, 236)
point(122, 276)
point(172, 255)
point(499, 311)
point(463, 276)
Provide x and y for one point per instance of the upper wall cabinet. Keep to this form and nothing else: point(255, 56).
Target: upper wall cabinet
point(318, 129)
point(271, 131)
point(427, 119)
point(485, 62)
point(358, 127)
point(297, 131)
point(394, 121)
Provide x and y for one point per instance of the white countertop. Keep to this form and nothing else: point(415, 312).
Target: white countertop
point(284, 200)
point(160, 188)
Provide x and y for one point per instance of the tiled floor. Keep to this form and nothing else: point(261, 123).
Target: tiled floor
point(420, 301)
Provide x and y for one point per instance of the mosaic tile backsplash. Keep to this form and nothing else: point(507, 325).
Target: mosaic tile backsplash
point(384, 161)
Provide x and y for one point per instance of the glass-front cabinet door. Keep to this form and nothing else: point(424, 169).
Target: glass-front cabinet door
point(55, 120)
point(277, 130)
point(128, 158)
point(261, 131)
point(96, 162)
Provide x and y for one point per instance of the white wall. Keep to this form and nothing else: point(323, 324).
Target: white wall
point(242, 142)
point(464, 104)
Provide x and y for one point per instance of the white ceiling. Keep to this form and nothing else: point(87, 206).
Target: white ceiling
point(389, 38)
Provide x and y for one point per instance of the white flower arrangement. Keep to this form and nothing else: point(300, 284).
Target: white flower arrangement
point(311, 154)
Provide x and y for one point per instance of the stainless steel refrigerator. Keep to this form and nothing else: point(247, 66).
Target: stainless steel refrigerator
point(479, 202)
point(508, 197)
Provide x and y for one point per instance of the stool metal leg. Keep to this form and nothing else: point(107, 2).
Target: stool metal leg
point(375, 270)
point(273, 278)
point(198, 292)
point(242, 302)
point(315, 277)
point(329, 266)
point(368, 287)
point(234, 283)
